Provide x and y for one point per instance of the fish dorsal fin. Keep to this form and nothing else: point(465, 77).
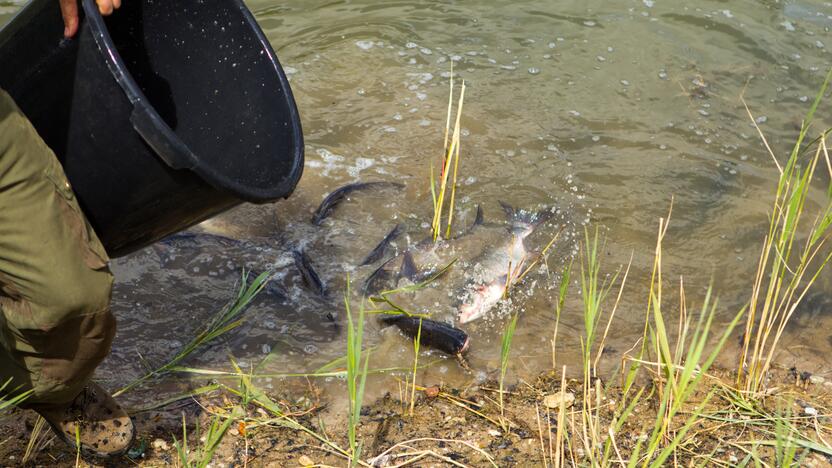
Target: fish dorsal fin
point(409, 268)
point(480, 219)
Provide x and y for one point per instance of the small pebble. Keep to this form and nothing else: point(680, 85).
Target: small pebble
point(810, 411)
point(553, 400)
point(817, 380)
point(494, 433)
point(305, 461)
point(161, 444)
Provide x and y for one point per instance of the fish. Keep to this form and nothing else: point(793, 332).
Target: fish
point(483, 284)
point(438, 335)
point(340, 194)
point(308, 273)
point(378, 252)
point(498, 268)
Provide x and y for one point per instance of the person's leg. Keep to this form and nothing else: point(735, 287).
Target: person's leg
point(55, 320)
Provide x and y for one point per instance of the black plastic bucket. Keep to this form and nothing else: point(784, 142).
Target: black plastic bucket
point(163, 114)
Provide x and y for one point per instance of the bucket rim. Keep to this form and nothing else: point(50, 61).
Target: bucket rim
point(183, 157)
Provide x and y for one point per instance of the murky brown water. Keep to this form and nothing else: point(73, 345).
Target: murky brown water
point(605, 110)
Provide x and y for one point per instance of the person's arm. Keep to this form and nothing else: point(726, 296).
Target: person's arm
point(69, 10)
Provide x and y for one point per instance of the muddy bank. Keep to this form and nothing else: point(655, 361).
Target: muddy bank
point(460, 426)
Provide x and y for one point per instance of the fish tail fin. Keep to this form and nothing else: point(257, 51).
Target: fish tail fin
point(530, 219)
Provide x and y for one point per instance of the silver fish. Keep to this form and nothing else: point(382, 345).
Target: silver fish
point(500, 267)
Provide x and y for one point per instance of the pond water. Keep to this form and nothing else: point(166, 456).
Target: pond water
point(605, 110)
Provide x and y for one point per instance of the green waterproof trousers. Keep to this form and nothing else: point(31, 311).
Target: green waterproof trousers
point(55, 325)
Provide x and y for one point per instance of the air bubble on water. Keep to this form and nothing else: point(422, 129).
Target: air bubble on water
point(412, 61)
point(310, 349)
point(365, 45)
point(397, 116)
point(727, 13)
point(411, 45)
point(596, 138)
point(662, 75)
point(424, 123)
point(425, 51)
point(590, 23)
point(508, 67)
point(662, 147)
point(456, 58)
point(803, 98)
point(421, 96)
point(648, 3)
point(574, 113)
point(625, 83)
point(360, 91)
point(761, 119)
point(704, 113)
point(601, 58)
point(534, 70)
point(819, 44)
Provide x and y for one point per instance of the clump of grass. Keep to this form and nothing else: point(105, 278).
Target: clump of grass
point(224, 321)
point(439, 189)
point(505, 351)
point(201, 455)
point(786, 270)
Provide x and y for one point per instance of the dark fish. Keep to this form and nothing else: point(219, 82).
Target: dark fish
point(338, 195)
point(310, 277)
point(434, 334)
point(378, 252)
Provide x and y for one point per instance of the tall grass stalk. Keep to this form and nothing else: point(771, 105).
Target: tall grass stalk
point(225, 320)
point(505, 351)
point(439, 189)
point(786, 270)
point(416, 342)
point(562, 290)
point(356, 377)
